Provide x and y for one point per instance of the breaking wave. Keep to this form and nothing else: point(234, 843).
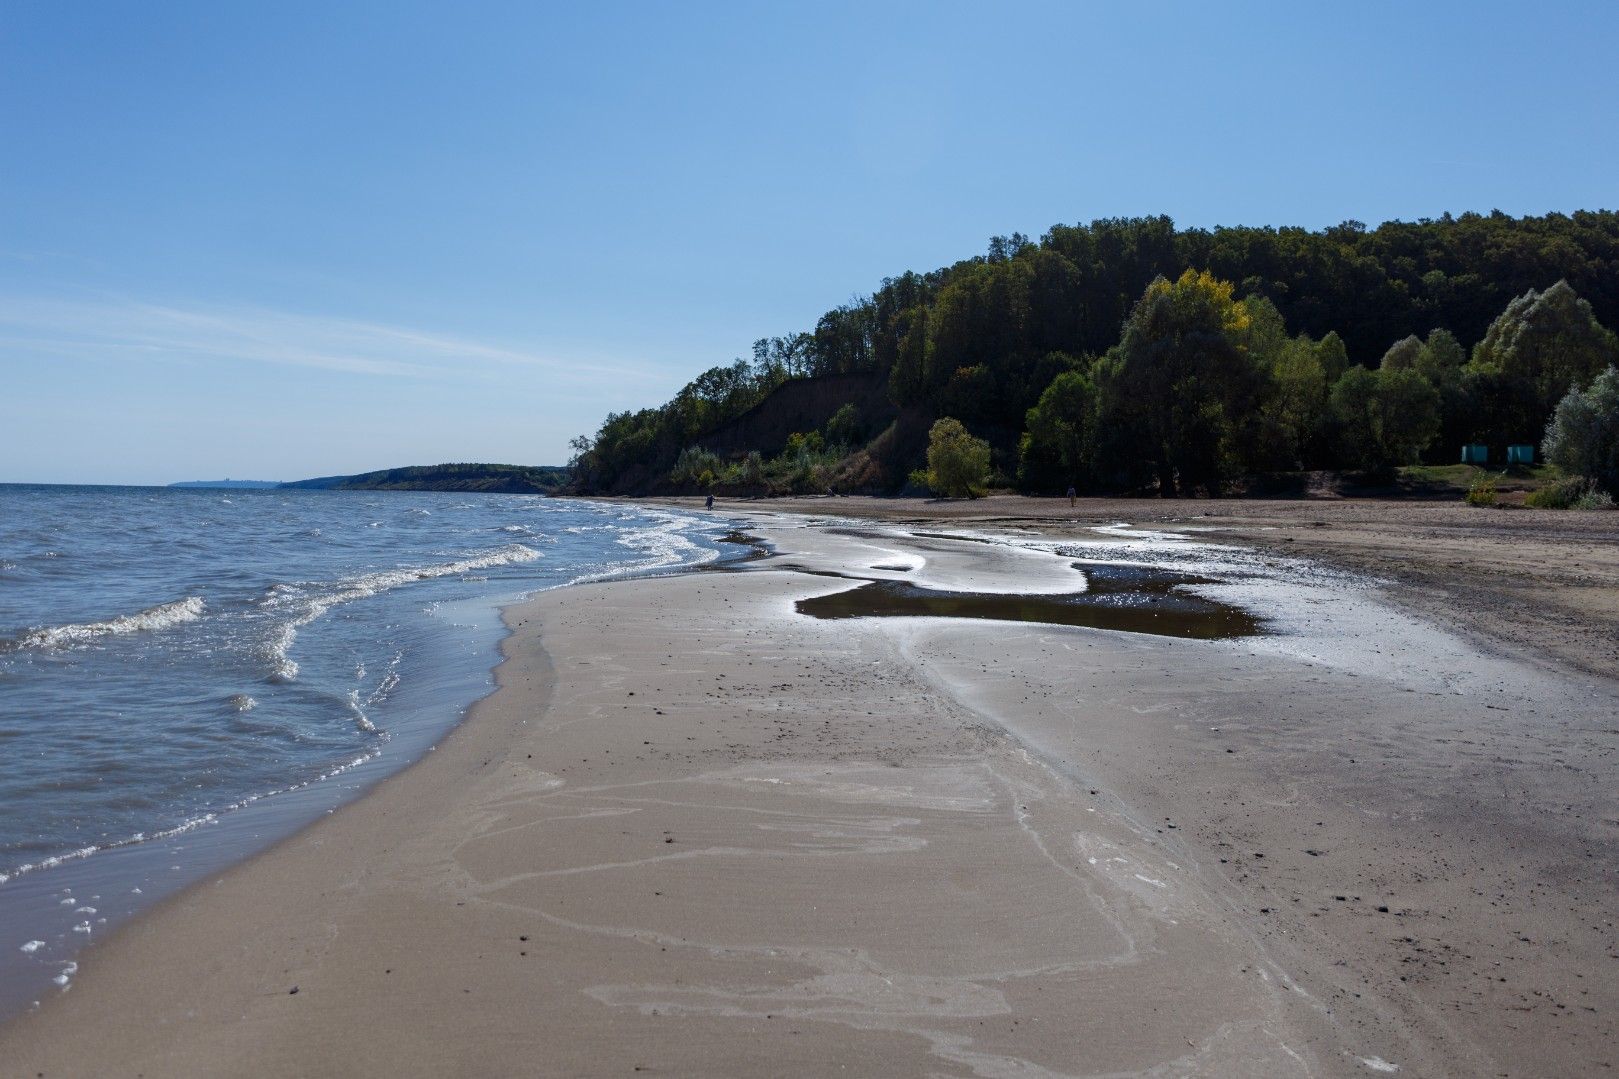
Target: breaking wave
point(285, 668)
point(163, 616)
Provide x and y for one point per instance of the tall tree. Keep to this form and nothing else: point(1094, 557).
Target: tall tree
point(1181, 380)
point(1294, 403)
point(1060, 433)
point(1547, 342)
point(1333, 356)
point(1385, 418)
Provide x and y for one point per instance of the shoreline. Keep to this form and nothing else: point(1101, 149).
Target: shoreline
point(528, 880)
point(123, 880)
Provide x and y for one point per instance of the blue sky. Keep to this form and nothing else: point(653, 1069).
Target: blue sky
point(274, 241)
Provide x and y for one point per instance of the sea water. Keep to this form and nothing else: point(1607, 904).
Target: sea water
point(187, 676)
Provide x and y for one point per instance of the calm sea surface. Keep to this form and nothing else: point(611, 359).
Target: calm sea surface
point(188, 675)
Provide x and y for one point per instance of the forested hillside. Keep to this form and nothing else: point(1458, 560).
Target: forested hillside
point(1130, 355)
point(479, 478)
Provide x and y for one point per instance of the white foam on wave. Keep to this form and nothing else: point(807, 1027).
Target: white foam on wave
point(163, 616)
point(665, 543)
point(361, 720)
point(385, 685)
point(31, 947)
point(285, 669)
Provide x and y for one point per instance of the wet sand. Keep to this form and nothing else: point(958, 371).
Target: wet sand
point(699, 832)
point(1542, 582)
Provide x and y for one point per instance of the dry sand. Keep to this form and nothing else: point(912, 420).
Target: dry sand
point(699, 833)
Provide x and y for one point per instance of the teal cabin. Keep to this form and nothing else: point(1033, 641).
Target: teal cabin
point(1475, 454)
point(1520, 455)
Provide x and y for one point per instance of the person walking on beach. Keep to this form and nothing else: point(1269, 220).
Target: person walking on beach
point(709, 504)
point(1072, 496)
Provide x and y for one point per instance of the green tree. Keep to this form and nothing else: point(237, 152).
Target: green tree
point(1402, 355)
point(1442, 357)
point(1293, 408)
point(1546, 343)
point(845, 427)
point(1059, 437)
point(1582, 437)
point(1266, 336)
point(1180, 381)
point(958, 463)
point(1333, 356)
point(1441, 361)
point(1384, 418)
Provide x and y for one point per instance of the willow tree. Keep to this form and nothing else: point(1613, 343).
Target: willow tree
point(1544, 344)
point(1582, 438)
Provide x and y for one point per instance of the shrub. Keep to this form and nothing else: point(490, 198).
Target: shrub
point(845, 426)
point(799, 444)
point(1556, 496)
point(693, 463)
point(957, 462)
point(806, 464)
point(1582, 438)
point(1594, 500)
point(1481, 492)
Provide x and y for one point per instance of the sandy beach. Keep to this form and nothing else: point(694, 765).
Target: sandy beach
point(698, 831)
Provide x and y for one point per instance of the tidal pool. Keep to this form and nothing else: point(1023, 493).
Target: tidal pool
point(1130, 599)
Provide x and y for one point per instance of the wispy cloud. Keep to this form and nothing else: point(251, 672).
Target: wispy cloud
point(100, 328)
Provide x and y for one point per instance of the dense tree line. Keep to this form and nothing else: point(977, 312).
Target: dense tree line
point(502, 479)
point(1127, 354)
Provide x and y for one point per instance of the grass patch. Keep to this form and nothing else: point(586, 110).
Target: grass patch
point(1459, 479)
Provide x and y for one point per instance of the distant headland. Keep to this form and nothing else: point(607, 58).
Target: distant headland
point(486, 478)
